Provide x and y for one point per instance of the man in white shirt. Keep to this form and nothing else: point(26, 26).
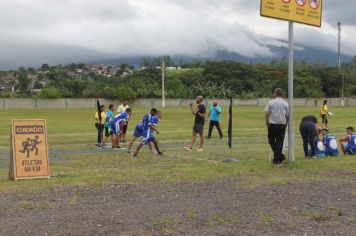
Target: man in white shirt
point(120, 109)
point(276, 117)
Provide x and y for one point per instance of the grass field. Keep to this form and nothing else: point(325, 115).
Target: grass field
point(74, 160)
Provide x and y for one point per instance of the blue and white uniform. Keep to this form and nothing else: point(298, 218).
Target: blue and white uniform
point(331, 146)
point(138, 132)
point(147, 131)
point(350, 147)
point(155, 120)
point(116, 120)
point(319, 148)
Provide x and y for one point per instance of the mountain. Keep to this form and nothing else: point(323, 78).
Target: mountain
point(308, 54)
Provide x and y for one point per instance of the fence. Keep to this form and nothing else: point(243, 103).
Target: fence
point(29, 103)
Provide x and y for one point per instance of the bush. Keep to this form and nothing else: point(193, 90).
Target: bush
point(49, 93)
point(5, 94)
point(93, 91)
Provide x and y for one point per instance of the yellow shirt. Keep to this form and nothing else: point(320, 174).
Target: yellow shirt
point(122, 108)
point(324, 110)
point(102, 117)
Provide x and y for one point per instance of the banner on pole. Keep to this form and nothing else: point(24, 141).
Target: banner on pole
point(301, 11)
point(29, 150)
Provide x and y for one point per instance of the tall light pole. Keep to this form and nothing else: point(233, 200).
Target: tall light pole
point(163, 95)
point(339, 62)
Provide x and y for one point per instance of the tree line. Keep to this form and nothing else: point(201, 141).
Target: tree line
point(220, 79)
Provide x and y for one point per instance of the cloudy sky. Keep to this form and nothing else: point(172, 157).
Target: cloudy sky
point(63, 31)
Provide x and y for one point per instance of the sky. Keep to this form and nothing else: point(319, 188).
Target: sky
point(34, 32)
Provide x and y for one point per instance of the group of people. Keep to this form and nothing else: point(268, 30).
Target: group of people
point(115, 126)
point(317, 141)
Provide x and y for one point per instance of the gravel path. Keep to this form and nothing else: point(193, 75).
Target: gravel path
point(208, 208)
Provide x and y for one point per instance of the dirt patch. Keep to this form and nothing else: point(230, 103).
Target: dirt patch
point(210, 208)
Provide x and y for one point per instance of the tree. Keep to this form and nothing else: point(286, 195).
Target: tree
point(23, 83)
point(45, 67)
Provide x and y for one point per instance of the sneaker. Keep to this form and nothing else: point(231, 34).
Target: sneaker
point(128, 151)
point(100, 147)
point(199, 150)
point(314, 157)
point(160, 153)
point(116, 148)
point(187, 149)
point(281, 158)
point(134, 155)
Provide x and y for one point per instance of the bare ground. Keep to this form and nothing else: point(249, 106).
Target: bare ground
point(208, 208)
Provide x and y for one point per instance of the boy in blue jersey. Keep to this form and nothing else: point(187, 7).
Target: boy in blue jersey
point(108, 131)
point(319, 151)
point(330, 144)
point(348, 143)
point(117, 123)
point(138, 132)
point(148, 129)
point(155, 120)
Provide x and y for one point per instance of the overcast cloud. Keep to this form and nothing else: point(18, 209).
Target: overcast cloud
point(62, 31)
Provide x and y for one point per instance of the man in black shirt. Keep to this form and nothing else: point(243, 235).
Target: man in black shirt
point(309, 130)
point(199, 112)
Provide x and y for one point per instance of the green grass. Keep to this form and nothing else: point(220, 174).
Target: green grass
point(73, 129)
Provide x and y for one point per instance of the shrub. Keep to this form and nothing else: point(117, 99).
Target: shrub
point(49, 92)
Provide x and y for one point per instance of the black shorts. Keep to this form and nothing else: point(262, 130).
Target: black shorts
point(324, 119)
point(198, 128)
point(124, 129)
point(107, 133)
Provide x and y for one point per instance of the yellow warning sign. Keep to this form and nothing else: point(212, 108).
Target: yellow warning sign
point(301, 11)
point(29, 150)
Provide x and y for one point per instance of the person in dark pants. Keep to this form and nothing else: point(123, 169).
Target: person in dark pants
point(99, 124)
point(199, 111)
point(214, 116)
point(309, 130)
point(276, 117)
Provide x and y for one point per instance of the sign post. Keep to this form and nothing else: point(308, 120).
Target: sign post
point(290, 92)
point(29, 150)
point(301, 11)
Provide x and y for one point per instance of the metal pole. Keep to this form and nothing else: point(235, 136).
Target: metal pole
point(163, 95)
point(339, 62)
point(290, 94)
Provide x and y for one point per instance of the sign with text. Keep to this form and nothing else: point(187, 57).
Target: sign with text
point(29, 150)
point(301, 11)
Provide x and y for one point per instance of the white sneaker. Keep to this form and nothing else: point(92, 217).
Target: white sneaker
point(200, 150)
point(187, 149)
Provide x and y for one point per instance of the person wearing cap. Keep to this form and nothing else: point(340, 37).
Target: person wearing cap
point(276, 118)
point(214, 116)
point(199, 111)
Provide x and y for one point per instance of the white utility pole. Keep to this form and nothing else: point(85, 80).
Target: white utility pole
point(290, 93)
